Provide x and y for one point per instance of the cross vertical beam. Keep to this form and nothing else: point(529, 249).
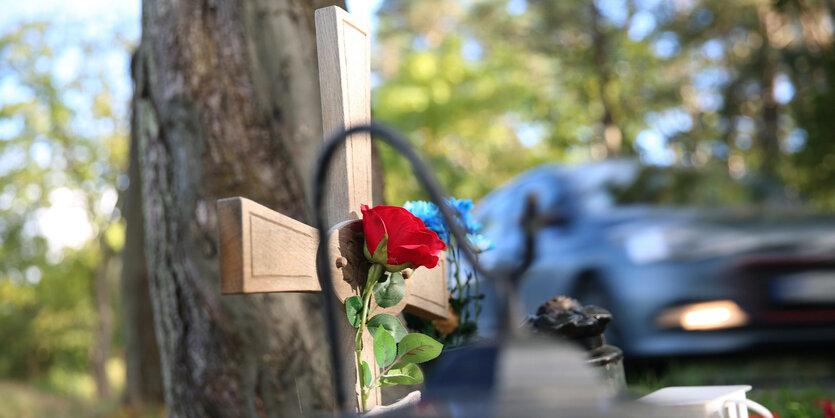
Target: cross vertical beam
point(344, 50)
point(261, 250)
point(343, 47)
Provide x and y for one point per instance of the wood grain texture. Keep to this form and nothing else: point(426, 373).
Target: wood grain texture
point(426, 294)
point(346, 240)
point(344, 80)
point(343, 47)
point(264, 251)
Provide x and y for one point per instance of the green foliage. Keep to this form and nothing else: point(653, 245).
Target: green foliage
point(366, 374)
point(402, 374)
point(443, 102)
point(353, 310)
point(390, 291)
point(387, 332)
point(380, 253)
point(389, 323)
point(418, 348)
point(800, 393)
point(813, 167)
point(794, 402)
point(521, 101)
point(63, 143)
point(486, 89)
point(695, 188)
point(385, 349)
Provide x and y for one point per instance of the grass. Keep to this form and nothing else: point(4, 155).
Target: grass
point(793, 386)
point(790, 385)
point(27, 400)
point(63, 393)
point(24, 401)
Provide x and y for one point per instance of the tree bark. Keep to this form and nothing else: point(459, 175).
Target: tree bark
point(100, 351)
point(768, 136)
point(226, 103)
point(143, 383)
point(610, 133)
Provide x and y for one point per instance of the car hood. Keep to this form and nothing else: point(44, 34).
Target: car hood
point(651, 234)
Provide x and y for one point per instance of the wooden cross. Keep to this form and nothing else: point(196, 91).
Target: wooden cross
point(264, 251)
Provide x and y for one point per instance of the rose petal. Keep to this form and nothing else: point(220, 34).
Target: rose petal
point(409, 241)
point(374, 228)
point(422, 255)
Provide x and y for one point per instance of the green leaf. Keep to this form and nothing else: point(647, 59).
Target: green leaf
point(380, 253)
point(391, 291)
point(388, 322)
point(456, 305)
point(402, 374)
point(385, 349)
point(366, 374)
point(399, 267)
point(417, 348)
point(353, 308)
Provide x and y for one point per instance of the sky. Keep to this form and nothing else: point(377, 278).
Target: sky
point(102, 16)
point(65, 222)
point(101, 21)
point(90, 17)
point(365, 11)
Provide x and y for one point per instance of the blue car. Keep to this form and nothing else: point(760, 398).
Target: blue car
point(681, 271)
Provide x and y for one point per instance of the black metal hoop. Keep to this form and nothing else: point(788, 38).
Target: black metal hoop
point(503, 283)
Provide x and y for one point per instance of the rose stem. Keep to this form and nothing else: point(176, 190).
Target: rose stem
point(374, 274)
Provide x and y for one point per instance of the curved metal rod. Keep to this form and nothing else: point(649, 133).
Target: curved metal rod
point(436, 194)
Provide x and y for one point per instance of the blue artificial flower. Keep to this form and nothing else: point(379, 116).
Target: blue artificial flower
point(421, 209)
point(480, 242)
point(464, 207)
point(431, 216)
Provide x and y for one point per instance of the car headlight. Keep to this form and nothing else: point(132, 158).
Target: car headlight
point(703, 316)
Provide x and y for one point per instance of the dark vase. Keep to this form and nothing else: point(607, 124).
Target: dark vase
point(566, 318)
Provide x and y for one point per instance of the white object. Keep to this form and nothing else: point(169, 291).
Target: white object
point(402, 406)
point(706, 401)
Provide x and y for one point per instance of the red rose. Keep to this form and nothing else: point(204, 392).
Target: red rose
point(828, 407)
point(404, 238)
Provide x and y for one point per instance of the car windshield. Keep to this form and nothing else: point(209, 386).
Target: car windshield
point(604, 185)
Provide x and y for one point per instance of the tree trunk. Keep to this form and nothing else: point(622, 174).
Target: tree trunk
point(100, 351)
point(769, 141)
point(143, 383)
point(610, 133)
point(226, 104)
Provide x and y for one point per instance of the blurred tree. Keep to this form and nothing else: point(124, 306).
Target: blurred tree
point(759, 68)
point(812, 140)
point(615, 81)
point(62, 145)
point(143, 383)
point(813, 166)
point(462, 109)
point(227, 104)
point(555, 80)
point(490, 87)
